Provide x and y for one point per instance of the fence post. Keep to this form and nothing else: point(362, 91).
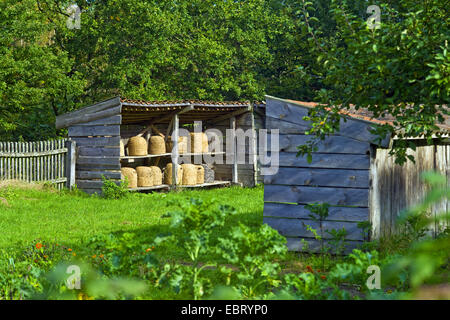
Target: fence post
point(70, 163)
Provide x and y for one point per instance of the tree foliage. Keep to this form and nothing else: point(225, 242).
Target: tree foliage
point(35, 75)
point(400, 70)
point(225, 50)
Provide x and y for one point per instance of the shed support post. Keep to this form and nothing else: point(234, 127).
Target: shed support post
point(234, 172)
point(70, 163)
point(254, 156)
point(175, 151)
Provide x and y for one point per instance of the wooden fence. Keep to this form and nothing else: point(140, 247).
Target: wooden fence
point(50, 161)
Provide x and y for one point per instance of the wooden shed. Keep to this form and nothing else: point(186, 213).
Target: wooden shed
point(349, 171)
point(102, 132)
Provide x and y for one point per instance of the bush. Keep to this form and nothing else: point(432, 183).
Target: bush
point(112, 190)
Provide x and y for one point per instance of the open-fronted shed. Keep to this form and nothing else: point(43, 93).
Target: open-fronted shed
point(102, 132)
point(351, 171)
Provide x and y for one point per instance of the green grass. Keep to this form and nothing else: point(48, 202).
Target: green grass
point(36, 213)
point(32, 214)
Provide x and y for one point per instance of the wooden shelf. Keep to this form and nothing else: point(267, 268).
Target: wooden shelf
point(211, 184)
point(169, 154)
point(145, 157)
point(166, 186)
point(162, 186)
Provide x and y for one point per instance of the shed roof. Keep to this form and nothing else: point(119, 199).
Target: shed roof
point(160, 111)
point(358, 128)
point(135, 111)
point(364, 114)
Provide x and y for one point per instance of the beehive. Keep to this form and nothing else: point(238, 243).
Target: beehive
point(200, 174)
point(182, 144)
point(157, 176)
point(131, 175)
point(137, 146)
point(189, 174)
point(199, 142)
point(144, 176)
point(156, 145)
point(168, 174)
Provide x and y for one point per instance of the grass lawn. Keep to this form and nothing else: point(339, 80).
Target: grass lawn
point(33, 213)
point(30, 213)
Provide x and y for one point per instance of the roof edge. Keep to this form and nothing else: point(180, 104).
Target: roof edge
point(85, 114)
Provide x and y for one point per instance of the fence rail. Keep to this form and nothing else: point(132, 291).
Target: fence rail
point(40, 161)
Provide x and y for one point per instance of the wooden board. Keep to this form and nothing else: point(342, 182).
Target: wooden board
point(285, 127)
point(285, 111)
point(97, 111)
point(104, 161)
point(320, 177)
point(339, 161)
point(99, 152)
point(283, 210)
point(401, 187)
point(296, 244)
point(304, 195)
point(297, 228)
point(97, 174)
point(442, 161)
point(162, 186)
point(332, 144)
point(360, 130)
point(211, 184)
point(92, 184)
point(291, 112)
point(85, 131)
point(97, 166)
point(115, 119)
point(97, 141)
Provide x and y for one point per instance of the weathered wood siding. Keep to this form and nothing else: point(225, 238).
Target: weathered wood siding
point(339, 175)
point(247, 173)
point(97, 136)
point(40, 161)
point(400, 187)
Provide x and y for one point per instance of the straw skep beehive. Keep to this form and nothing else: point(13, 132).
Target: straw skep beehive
point(157, 145)
point(168, 174)
point(137, 146)
point(182, 144)
point(199, 142)
point(131, 175)
point(144, 176)
point(157, 176)
point(200, 174)
point(189, 174)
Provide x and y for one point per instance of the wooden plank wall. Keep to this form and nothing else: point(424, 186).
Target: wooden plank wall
point(39, 161)
point(248, 172)
point(401, 187)
point(97, 152)
point(259, 120)
point(339, 175)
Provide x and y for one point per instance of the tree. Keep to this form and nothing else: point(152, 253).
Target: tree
point(401, 70)
point(35, 79)
point(165, 49)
